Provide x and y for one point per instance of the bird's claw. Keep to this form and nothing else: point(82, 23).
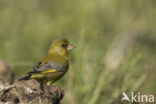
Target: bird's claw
point(58, 90)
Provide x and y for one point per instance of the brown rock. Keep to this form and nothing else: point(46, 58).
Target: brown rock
point(6, 73)
point(29, 92)
point(25, 92)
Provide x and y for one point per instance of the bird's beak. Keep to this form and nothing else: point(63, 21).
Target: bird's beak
point(70, 46)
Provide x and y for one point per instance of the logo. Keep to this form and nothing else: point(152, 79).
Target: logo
point(137, 98)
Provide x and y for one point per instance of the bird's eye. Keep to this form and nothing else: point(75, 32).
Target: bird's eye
point(64, 45)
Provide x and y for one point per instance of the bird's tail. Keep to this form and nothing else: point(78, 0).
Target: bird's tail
point(25, 78)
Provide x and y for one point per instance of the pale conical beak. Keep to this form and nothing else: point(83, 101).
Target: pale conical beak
point(70, 46)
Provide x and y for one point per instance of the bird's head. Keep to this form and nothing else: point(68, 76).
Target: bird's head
point(60, 47)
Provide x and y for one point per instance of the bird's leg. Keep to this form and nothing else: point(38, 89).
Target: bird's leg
point(42, 88)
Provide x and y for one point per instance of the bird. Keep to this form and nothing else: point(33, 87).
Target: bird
point(53, 66)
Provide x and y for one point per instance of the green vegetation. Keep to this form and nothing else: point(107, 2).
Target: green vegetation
point(115, 44)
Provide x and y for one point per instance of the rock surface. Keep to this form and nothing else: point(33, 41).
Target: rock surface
point(26, 92)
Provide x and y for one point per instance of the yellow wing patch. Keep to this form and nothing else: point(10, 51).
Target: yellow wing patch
point(49, 71)
point(42, 74)
point(37, 76)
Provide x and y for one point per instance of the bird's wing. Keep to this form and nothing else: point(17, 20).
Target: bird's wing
point(48, 67)
point(36, 66)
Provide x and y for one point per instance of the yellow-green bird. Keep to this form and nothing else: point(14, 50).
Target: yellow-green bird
point(53, 66)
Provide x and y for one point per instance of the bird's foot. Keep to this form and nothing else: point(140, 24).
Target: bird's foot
point(57, 90)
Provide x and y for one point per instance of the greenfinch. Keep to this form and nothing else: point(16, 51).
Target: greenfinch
point(53, 66)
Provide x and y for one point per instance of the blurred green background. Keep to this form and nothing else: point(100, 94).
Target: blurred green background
point(115, 44)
